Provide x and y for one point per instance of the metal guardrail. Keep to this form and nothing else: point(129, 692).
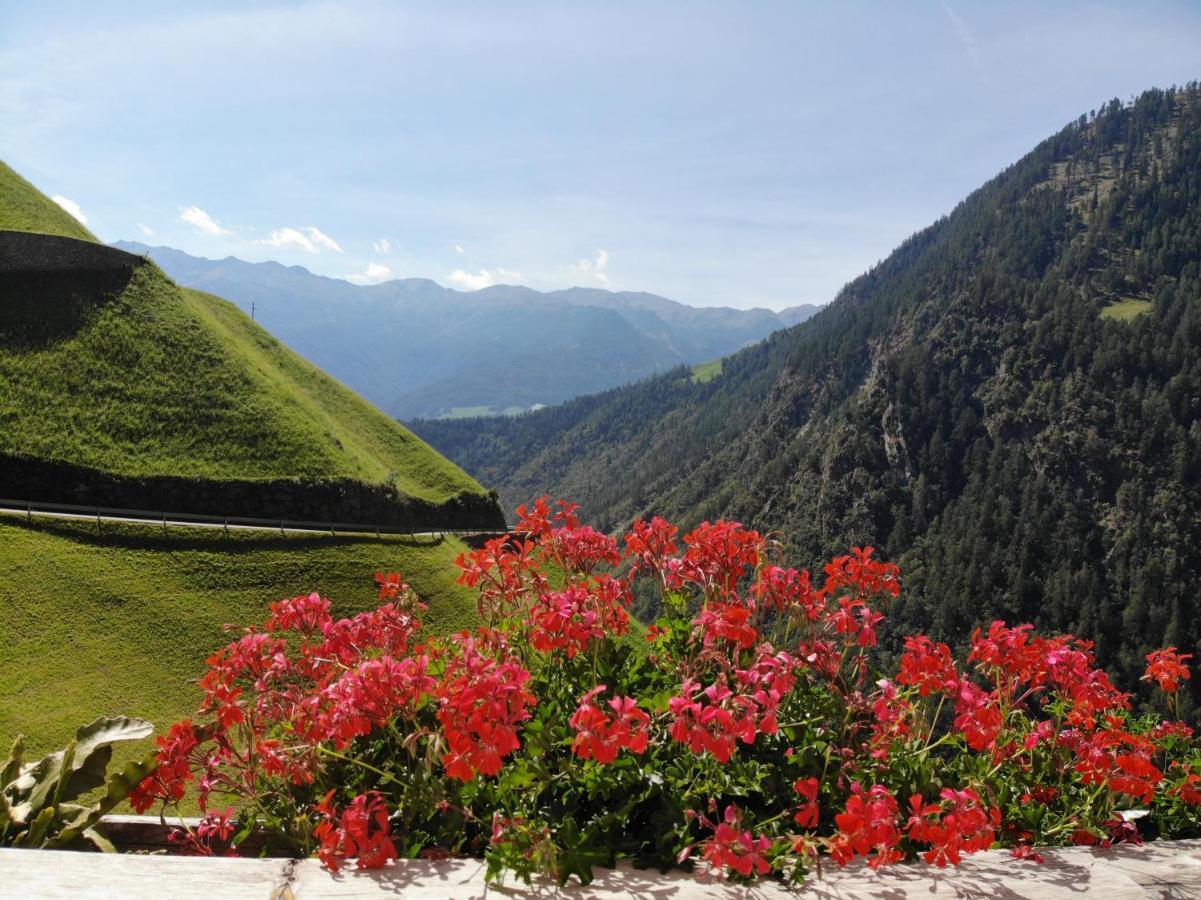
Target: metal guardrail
point(30, 508)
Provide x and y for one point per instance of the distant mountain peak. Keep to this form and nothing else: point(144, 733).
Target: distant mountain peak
point(419, 349)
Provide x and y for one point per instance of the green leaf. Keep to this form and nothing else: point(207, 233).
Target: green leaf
point(12, 768)
point(117, 788)
point(244, 832)
point(99, 841)
point(31, 789)
point(84, 770)
point(38, 829)
point(67, 764)
point(7, 816)
point(94, 749)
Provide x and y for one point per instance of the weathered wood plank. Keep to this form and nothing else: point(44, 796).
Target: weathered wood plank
point(1158, 870)
point(151, 833)
point(1166, 869)
point(142, 832)
point(412, 879)
point(68, 875)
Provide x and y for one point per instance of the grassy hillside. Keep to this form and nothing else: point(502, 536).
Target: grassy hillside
point(24, 208)
point(1126, 310)
point(703, 373)
point(130, 375)
point(164, 381)
point(119, 618)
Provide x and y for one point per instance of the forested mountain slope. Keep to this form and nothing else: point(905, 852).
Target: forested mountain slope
point(415, 348)
point(1007, 405)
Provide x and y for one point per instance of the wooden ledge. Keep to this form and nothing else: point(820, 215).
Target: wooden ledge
point(1168, 869)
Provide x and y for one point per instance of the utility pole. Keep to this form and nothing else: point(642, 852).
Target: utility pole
point(251, 310)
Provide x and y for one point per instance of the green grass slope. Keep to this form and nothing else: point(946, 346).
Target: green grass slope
point(703, 373)
point(164, 381)
point(24, 208)
point(119, 618)
point(1126, 310)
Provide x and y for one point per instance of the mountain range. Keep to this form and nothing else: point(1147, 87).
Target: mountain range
point(1009, 405)
point(417, 349)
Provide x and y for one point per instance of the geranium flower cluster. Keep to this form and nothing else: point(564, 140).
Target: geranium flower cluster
point(602, 735)
point(749, 730)
point(482, 701)
point(732, 849)
point(362, 831)
point(961, 823)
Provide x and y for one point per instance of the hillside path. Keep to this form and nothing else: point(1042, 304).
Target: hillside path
point(30, 509)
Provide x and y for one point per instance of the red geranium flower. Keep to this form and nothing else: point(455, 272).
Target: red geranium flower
point(1167, 667)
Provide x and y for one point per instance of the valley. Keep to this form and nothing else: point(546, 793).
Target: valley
point(978, 405)
point(419, 350)
point(547, 582)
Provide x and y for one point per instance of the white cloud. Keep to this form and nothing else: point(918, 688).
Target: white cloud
point(459, 250)
point(289, 237)
point(146, 230)
point(596, 269)
point(470, 281)
point(202, 221)
point(72, 207)
point(373, 274)
point(382, 246)
point(322, 241)
point(310, 240)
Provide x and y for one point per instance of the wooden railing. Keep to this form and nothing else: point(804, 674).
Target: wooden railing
point(1126, 872)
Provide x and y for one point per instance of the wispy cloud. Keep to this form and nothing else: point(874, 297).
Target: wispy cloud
point(309, 239)
point(373, 274)
point(970, 47)
point(593, 269)
point(472, 281)
point(459, 250)
point(72, 207)
point(383, 246)
point(202, 221)
point(146, 230)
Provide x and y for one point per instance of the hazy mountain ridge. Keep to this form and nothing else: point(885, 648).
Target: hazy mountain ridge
point(418, 349)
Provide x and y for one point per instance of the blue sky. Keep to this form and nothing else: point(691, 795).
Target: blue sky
point(744, 154)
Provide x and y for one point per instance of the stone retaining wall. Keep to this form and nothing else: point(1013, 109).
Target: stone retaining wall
point(24, 251)
point(294, 499)
point(49, 285)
